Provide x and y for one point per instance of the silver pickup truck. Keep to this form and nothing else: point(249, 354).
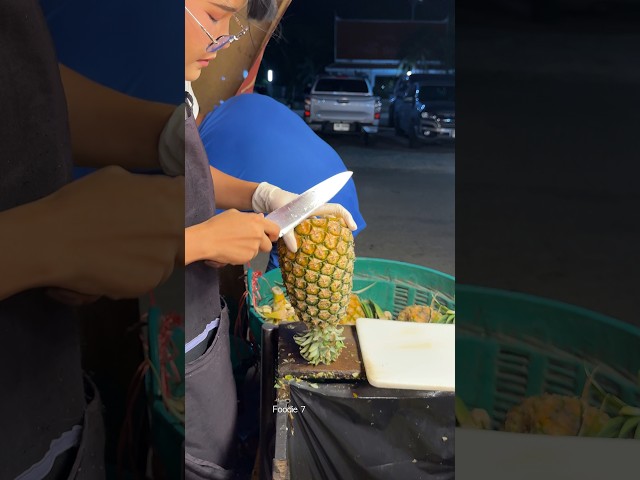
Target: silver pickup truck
point(338, 104)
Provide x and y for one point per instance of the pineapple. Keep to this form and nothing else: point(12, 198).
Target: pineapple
point(437, 312)
point(359, 308)
point(418, 314)
point(319, 280)
point(477, 418)
point(280, 309)
point(354, 311)
point(553, 414)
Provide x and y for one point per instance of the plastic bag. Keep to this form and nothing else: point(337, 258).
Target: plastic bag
point(348, 431)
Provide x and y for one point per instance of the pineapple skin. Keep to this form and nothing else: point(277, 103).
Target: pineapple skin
point(418, 314)
point(415, 313)
point(552, 414)
point(319, 281)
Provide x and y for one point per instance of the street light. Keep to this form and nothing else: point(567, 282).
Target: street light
point(269, 76)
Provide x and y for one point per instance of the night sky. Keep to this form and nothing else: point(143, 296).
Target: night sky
point(304, 44)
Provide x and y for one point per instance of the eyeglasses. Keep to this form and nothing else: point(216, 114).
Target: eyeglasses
point(223, 40)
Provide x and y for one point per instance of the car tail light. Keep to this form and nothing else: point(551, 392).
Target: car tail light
point(376, 116)
point(307, 107)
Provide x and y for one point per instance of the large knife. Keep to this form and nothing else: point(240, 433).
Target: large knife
point(290, 215)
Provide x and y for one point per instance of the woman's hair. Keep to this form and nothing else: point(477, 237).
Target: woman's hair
point(262, 9)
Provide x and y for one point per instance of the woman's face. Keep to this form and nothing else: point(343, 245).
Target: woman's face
point(214, 15)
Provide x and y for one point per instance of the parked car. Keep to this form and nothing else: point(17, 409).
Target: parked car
point(424, 108)
point(343, 104)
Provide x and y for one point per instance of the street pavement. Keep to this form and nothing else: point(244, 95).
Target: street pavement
point(545, 196)
point(406, 197)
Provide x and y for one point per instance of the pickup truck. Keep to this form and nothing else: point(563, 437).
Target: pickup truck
point(424, 108)
point(343, 104)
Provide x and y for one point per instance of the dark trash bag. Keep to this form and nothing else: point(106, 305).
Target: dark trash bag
point(380, 434)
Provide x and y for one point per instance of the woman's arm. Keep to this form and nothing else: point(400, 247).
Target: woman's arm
point(196, 244)
point(25, 259)
point(232, 237)
point(111, 128)
point(232, 192)
point(111, 233)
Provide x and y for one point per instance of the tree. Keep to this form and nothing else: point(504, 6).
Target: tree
point(425, 45)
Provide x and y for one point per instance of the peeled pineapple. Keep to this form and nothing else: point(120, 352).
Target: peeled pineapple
point(280, 309)
point(553, 414)
point(319, 280)
point(354, 311)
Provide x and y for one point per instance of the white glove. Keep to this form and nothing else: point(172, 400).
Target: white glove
point(171, 144)
point(268, 198)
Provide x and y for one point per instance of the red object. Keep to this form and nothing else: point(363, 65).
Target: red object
point(376, 115)
point(307, 113)
point(379, 39)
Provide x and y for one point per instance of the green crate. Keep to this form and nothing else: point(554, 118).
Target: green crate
point(393, 286)
point(167, 432)
point(510, 346)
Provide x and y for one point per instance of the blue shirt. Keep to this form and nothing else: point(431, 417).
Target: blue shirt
point(256, 138)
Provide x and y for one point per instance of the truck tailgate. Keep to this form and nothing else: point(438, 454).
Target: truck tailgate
point(342, 108)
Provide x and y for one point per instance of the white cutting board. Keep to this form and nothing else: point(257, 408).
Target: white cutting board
point(416, 356)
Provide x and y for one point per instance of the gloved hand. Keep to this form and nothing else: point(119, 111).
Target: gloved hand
point(268, 198)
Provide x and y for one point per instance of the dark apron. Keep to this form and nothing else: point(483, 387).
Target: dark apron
point(44, 397)
point(210, 399)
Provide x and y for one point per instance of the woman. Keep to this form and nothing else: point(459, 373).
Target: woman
point(112, 233)
point(241, 143)
point(232, 237)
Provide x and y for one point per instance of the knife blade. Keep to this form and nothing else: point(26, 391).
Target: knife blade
point(293, 213)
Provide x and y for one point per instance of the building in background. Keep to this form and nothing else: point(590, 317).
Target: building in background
point(381, 50)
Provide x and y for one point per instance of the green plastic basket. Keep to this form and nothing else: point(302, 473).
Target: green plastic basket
point(393, 286)
point(167, 431)
point(510, 346)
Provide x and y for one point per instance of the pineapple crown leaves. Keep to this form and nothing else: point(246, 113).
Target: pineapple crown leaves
point(371, 309)
point(448, 313)
point(625, 418)
point(364, 289)
point(610, 403)
point(623, 421)
point(320, 346)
